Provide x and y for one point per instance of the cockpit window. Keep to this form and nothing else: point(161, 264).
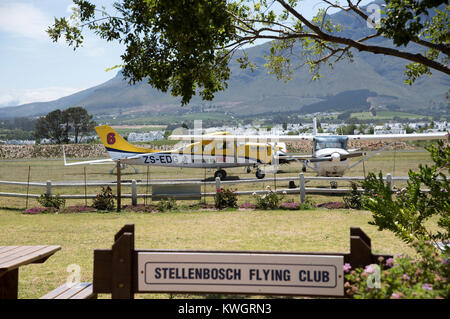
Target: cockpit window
point(330, 142)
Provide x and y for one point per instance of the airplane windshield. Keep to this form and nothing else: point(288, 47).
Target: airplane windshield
point(330, 142)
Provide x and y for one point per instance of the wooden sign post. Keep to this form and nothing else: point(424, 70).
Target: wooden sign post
point(124, 271)
point(119, 193)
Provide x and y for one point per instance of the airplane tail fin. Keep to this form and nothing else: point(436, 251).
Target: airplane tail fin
point(116, 145)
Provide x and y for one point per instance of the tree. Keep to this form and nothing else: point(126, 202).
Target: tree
point(186, 45)
point(52, 127)
point(58, 125)
point(79, 121)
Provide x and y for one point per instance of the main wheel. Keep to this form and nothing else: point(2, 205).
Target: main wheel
point(221, 174)
point(260, 174)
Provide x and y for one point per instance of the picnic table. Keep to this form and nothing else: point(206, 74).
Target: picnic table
point(13, 257)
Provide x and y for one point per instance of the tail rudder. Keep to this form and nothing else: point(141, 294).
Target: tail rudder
point(116, 145)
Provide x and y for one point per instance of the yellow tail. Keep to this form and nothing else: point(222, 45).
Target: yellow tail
point(116, 145)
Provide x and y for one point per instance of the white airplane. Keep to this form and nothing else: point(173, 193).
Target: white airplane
point(222, 150)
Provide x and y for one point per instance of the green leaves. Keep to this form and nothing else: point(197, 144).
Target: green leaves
point(406, 212)
point(170, 44)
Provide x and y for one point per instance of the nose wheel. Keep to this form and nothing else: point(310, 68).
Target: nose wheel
point(221, 174)
point(260, 174)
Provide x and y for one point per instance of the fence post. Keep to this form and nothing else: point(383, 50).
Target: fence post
point(389, 180)
point(217, 183)
point(48, 190)
point(133, 192)
point(302, 187)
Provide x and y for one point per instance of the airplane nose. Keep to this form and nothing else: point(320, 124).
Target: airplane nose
point(335, 157)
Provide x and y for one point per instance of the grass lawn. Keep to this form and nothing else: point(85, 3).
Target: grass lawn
point(80, 234)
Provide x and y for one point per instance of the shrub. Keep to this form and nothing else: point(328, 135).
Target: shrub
point(104, 200)
point(167, 204)
point(225, 198)
point(51, 201)
point(354, 199)
point(270, 200)
point(407, 212)
point(403, 277)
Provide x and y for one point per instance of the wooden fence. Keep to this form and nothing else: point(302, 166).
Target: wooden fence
point(301, 189)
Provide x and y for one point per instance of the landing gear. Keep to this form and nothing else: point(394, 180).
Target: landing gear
point(249, 170)
point(221, 174)
point(260, 174)
point(304, 167)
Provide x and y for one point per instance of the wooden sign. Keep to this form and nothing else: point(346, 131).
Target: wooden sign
point(247, 273)
point(124, 270)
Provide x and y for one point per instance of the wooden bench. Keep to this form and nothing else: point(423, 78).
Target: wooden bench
point(78, 291)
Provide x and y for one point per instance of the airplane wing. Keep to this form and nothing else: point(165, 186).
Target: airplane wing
point(294, 138)
point(401, 137)
point(312, 159)
point(243, 138)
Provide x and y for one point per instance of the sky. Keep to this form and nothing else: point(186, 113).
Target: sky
point(35, 69)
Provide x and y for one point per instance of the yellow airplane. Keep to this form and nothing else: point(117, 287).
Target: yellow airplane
point(197, 154)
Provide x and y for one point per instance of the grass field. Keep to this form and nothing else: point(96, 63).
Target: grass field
point(387, 115)
point(80, 234)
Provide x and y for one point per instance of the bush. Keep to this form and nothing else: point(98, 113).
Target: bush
point(270, 200)
point(51, 201)
point(407, 212)
point(403, 277)
point(104, 200)
point(225, 198)
point(354, 199)
point(167, 204)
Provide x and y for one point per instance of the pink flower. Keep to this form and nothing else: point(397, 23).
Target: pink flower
point(347, 267)
point(427, 287)
point(389, 262)
point(369, 269)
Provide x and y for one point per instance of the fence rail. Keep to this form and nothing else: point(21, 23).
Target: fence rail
point(302, 190)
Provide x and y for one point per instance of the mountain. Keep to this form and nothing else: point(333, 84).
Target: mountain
point(370, 80)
